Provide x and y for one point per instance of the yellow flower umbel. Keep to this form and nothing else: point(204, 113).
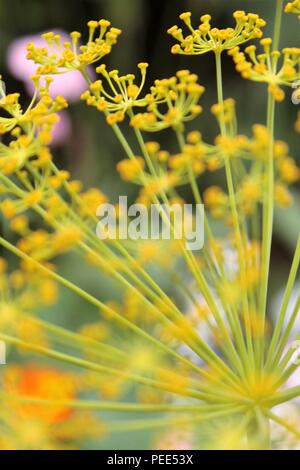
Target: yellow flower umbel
point(171, 103)
point(22, 292)
point(122, 95)
point(59, 57)
point(29, 130)
point(273, 67)
point(254, 150)
point(198, 349)
point(225, 114)
point(293, 7)
point(205, 38)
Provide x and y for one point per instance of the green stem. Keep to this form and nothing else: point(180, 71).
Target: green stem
point(285, 396)
point(220, 88)
point(259, 431)
point(115, 406)
point(189, 257)
point(105, 309)
point(194, 185)
point(134, 425)
point(108, 371)
point(248, 359)
point(284, 423)
point(285, 303)
point(192, 263)
point(268, 218)
point(277, 24)
point(86, 76)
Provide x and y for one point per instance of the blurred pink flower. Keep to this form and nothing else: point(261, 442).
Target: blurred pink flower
point(62, 130)
point(69, 85)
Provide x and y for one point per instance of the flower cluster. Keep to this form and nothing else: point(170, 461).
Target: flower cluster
point(29, 129)
point(58, 57)
point(172, 102)
point(272, 67)
point(250, 194)
point(22, 292)
point(205, 38)
point(122, 95)
point(225, 113)
point(293, 7)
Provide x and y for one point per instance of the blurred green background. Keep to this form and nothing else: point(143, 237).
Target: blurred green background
point(92, 151)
